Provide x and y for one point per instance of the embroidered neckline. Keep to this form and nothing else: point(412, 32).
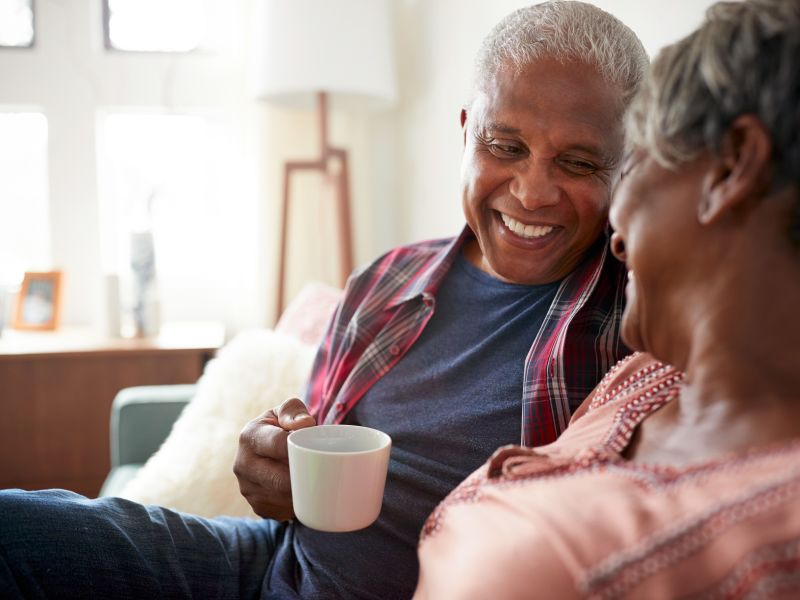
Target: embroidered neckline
point(652, 388)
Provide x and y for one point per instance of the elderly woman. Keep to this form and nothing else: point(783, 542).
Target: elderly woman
point(680, 475)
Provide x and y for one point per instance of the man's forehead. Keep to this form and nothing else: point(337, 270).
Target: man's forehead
point(571, 91)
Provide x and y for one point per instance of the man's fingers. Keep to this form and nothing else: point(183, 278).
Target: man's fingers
point(293, 414)
point(272, 478)
point(269, 418)
point(267, 441)
point(267, 489)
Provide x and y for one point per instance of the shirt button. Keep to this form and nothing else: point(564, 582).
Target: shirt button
point(394, 350)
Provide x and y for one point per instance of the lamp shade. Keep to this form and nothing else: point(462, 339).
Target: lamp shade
point(341, 47)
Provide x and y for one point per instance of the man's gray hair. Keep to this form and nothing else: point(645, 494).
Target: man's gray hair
point(565, 31)
point(745, 58)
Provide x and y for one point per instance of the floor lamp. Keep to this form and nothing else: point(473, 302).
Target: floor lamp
point(336, 54)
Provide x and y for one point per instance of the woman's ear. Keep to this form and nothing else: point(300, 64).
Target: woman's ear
point(740, 171)
point(463, 125)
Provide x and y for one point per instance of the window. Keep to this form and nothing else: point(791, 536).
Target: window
point(157, 25)
point(178, 175)
point(16, 23)
point(24, 214)
point(66, 203)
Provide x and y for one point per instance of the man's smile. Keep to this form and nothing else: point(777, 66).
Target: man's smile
point(523, 230)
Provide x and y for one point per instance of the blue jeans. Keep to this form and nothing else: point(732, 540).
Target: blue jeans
point(57, 544)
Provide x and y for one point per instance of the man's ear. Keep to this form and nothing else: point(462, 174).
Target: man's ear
point(463, 125)
point(740, 171)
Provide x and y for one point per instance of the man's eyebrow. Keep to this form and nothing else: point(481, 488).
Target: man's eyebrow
point(597, 151)
point(498, 127)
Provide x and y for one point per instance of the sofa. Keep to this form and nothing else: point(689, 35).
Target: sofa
point(174, 445)
point(141, 419)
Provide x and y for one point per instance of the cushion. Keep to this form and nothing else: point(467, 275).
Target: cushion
point(118, 478)
point(192, 470)
point(309, 312)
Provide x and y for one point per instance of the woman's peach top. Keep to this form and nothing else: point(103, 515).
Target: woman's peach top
point(575, 519)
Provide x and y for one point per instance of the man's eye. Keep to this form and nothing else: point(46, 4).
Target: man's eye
point(504, 149)
point(578, 166)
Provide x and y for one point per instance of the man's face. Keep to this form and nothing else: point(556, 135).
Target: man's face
point(542, 151)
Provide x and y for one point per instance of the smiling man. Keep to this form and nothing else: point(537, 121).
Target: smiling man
point(453, 347)
point(541, 153)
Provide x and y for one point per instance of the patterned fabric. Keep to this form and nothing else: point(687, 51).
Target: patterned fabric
point(594, 525)
point(387, 305)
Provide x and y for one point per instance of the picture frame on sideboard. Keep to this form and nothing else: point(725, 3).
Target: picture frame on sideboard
point(39, 301)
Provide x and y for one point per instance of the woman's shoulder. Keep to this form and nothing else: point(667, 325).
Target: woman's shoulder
point(633, 373)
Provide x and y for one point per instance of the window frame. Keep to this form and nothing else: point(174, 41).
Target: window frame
point(32, 43)
point(109, 47)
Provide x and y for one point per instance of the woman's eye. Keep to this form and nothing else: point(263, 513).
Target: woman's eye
point(627, 166)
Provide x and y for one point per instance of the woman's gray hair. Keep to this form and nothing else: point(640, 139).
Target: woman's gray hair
point(744, 59)
point(564, 31)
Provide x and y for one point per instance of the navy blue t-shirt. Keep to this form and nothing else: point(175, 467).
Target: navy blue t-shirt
point(447, 405)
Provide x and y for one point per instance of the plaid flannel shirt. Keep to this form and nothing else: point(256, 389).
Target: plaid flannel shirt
point(387, 305)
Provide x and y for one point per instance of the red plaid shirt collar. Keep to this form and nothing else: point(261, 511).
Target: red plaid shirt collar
point(387, 305)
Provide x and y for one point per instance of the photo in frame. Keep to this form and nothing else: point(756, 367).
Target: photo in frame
point(39, 301)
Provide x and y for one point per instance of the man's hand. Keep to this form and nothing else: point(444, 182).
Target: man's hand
point(262, 463)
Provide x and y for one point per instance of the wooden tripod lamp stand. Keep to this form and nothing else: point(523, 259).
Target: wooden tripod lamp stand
point(332, 164)
point(338, 54)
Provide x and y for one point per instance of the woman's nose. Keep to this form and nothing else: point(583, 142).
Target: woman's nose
point(618, 246)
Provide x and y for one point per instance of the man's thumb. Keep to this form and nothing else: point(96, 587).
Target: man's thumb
point(293, 414)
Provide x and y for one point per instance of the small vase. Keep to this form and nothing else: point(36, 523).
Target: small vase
point(145, 306)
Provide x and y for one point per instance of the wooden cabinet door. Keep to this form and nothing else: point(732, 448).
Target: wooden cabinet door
point(55, 410)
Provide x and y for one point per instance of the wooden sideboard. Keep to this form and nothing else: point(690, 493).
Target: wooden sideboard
point(56, 390)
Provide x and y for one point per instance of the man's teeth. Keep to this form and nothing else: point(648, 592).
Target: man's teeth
point(526, 231)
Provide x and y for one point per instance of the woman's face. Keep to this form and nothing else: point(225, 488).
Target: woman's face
point(654, 213)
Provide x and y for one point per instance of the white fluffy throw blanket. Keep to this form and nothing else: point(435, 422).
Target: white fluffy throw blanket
point(192, 471)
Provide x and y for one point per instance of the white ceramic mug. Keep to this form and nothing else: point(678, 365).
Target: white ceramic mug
point(338, 474)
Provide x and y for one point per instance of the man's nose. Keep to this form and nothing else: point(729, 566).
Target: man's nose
point(534, 185)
